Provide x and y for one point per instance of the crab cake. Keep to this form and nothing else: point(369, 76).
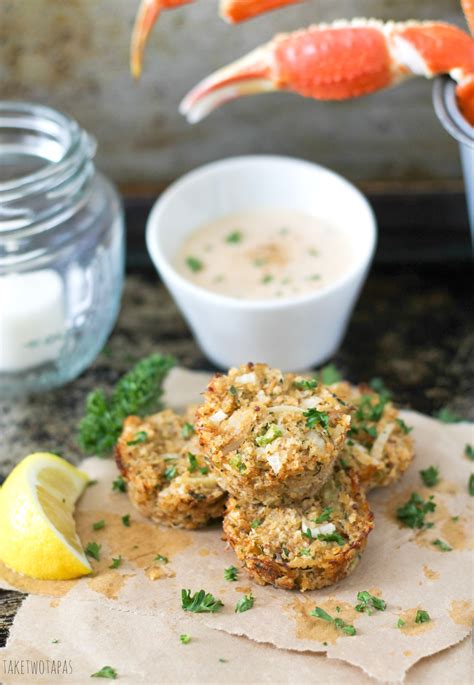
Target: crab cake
point(270, 437)
point(379, 447)
point(167, 476)
point(306, 545)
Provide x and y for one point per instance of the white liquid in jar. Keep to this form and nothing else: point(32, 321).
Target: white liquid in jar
point(265, 254)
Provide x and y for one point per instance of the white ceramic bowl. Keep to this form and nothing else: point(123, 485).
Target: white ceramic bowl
point(292, 333)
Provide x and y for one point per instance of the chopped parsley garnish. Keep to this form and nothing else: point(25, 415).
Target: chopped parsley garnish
point(332, 537)
point(268, 278)
point(222, 661)
point(403, 426)
point(422, 616)
point(234, 237)
point(204, 470)
point(337, 622)
point(272, 433)
point(313, 417)
point(470, 486)
point(90, 483)
point(185, 639)
point(469, 451)
point(244, 604)
point(305, 384)
point(330, 374)
point(137, 393)
point(400, 623)
point(233, 390)
point(378, 386)
point(193, 462)
point(116, 561)
point(231, 573)
point(367, 411)
point(98, 525)
point(369, 603)
point(93, 550)
point(237, 463)
point(443, 546)
point(430, 476)
point(304, 552)
point(256, 523)
point(140, 437)
point(106, 672)
point(201, 602)
point(447, 416)
point(414, 511)
point(162, 558)
point(187, 430)
point(307, 534)
point(325, 516)
point(55, 642)
point(126, 520)
point(119, 485)
point(194, 264)
point(170, 472)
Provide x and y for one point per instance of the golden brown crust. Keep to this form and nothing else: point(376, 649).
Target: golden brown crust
point(273, 547)
point(167, 477)
point(378, 447)
point(254, 427)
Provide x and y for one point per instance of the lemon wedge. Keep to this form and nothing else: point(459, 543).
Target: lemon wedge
point(38, 535)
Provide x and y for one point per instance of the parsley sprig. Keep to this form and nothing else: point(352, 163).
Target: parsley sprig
point(369, 603)
point(106, 672)
point(119, 484)
point(314, 417)
point(430, 476)
point(422, 616)
point(231, 573)
point(346, 628)
point(200, 602)
point(414, 511)
point(244, 604)
point(447, 416)
point(138, 392)
point(93, 550)
point(443, 546)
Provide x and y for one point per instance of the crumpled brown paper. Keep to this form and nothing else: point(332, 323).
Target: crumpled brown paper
point(401, 565)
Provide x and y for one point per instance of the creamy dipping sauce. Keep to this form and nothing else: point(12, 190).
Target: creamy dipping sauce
point(265, 254)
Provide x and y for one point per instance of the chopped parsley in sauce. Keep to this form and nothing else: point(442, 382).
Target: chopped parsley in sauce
point(263, 259)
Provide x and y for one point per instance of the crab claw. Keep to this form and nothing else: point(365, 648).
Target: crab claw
point(235, 11)
point(468, 9)
point(147, 15)
point(337, 62)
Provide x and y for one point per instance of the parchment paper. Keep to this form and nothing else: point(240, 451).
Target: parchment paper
point(139, 604)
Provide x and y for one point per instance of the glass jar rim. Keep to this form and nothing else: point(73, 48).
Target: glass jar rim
point(56, 140)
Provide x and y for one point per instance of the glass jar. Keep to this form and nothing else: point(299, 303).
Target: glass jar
point(61, 250)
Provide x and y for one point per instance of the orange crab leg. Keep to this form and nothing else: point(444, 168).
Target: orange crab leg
point(468, 9)
point(232, 11)
point(340, 61)
point(240, 10)
point(147, 15)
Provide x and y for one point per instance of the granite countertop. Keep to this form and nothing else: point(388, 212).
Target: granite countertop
point(411, 327)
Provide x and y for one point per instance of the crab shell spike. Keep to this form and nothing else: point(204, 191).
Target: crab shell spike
point(235, 11)
point(147, 15)
point(338, 61)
